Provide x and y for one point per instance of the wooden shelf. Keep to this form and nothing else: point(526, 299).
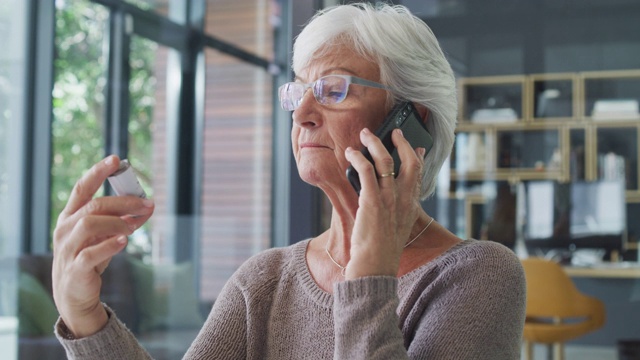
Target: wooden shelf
point(616, 271)
point(554, 134)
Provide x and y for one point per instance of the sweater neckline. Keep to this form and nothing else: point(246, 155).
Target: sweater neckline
point(325, 299)
point(311, 288)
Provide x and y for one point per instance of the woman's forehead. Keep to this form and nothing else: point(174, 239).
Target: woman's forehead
point(338, 59)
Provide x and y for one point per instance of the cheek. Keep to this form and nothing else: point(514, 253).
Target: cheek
point(349, 135)
point(346, 137)
point(295, 131)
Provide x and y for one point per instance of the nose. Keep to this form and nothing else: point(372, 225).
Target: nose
point(307, 115)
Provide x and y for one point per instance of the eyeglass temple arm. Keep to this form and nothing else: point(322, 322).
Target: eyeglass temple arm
point(365, 82)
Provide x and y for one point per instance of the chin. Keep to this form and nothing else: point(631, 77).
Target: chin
point(317, 171)
point(311, 176)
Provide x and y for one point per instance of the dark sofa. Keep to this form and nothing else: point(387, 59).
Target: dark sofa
point(127, 291)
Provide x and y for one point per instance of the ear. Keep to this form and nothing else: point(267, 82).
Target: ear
point(423, 111)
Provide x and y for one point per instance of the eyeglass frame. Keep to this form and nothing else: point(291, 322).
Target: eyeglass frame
point(349, 78)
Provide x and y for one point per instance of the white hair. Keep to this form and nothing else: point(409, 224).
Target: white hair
point(411, 64)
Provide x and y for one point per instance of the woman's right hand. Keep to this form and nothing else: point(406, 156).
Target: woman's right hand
point(89, 232)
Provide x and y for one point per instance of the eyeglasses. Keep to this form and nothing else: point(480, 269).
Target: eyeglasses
point(328, 90)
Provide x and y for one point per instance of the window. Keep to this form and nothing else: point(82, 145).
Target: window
point(80, 81)
point(126, 79)
point(13, 95)
point(236, 191)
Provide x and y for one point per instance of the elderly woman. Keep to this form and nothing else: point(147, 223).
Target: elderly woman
point(385, 281)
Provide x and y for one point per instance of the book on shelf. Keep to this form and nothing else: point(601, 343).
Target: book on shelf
point(494, 116)
point(576, 163)
point(616, 109)
point(611, 166)
point(470, 152)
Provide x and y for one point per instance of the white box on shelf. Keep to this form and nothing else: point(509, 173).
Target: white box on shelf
point(493, 116)
point(616, 109)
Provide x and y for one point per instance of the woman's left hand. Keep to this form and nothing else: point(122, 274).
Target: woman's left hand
point(387, 208)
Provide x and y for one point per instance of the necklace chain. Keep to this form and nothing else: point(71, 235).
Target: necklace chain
point(417, 236)
point(343, 269)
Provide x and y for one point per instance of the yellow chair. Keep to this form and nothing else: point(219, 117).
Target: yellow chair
point(556, 310)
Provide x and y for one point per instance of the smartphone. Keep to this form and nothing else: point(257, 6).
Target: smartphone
point(406, 117)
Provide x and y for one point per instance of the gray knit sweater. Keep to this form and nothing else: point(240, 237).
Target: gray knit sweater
point(468, 303)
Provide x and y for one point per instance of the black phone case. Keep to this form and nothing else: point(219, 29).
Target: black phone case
point(406, 117)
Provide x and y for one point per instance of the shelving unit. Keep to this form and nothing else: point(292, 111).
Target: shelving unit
point(554, 97)
point(563, 127)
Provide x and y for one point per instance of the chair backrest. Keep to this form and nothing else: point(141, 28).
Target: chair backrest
point(550, 291)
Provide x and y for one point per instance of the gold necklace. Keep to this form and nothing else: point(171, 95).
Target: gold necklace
point(343, 269)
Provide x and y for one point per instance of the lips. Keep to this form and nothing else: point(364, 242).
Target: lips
point(310, 145)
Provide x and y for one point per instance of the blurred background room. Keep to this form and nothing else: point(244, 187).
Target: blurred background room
point(545, 160)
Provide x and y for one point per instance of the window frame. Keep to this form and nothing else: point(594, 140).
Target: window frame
point(190, 40)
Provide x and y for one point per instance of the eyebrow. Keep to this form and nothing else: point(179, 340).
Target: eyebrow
point(328, 71)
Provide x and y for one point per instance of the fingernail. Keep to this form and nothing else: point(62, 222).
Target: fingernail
point(109, 160)
point(122, 239)
point(147, 203)
point(365, 131)
point(421, 151)
point(400, 132)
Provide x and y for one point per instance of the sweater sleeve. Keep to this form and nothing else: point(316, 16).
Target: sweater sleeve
point(365, 320)
point(223, 336)
point(472, 309)
point(114, 341)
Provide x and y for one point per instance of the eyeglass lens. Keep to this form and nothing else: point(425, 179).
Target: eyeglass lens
point(326, 90)
point(330, 89)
